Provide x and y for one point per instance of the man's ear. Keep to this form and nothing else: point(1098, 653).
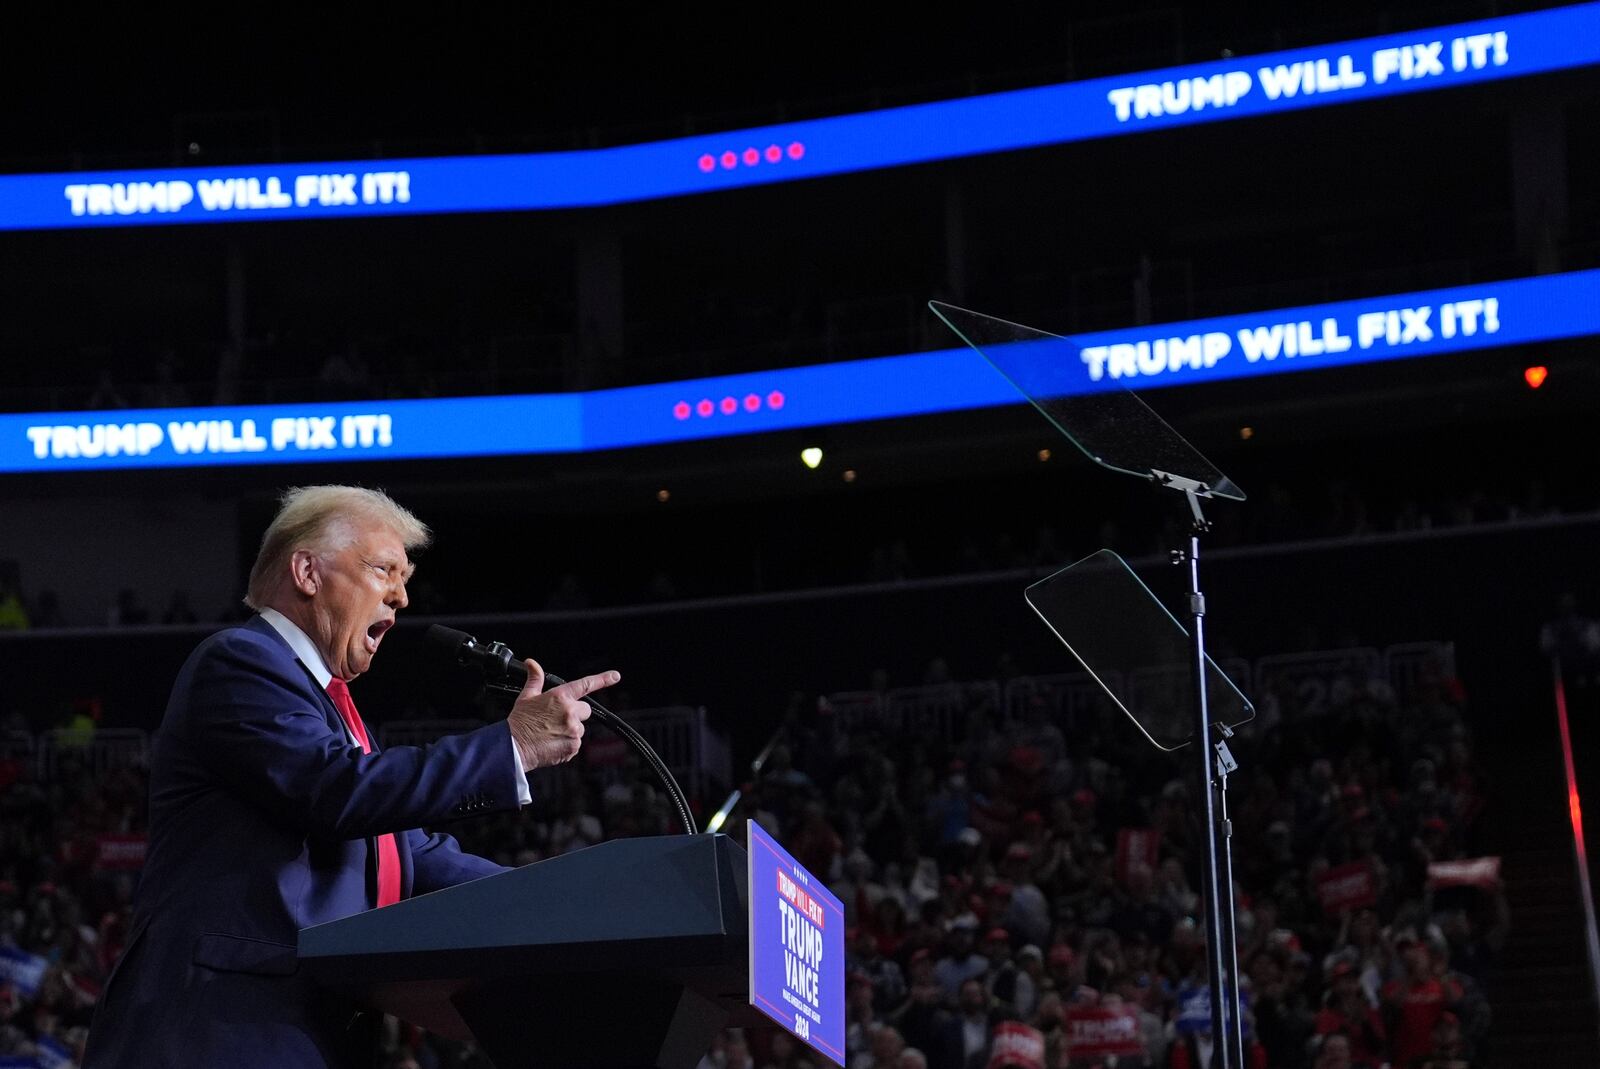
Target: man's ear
point(303, 572)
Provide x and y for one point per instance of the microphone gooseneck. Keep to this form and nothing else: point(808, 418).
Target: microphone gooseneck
point(503, 671)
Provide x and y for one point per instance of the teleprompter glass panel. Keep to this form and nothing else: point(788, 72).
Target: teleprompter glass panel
point(1137, 651)
point(1109, 424)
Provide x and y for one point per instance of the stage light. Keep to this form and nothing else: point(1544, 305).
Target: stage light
point(1044, 455)
point(1535, 376)
point(811, 457)
point(1246, 433)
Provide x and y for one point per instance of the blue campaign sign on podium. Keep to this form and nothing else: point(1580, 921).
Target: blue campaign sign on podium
point(796, 947)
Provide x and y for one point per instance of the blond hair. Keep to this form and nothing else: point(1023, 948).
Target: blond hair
point(307, 517)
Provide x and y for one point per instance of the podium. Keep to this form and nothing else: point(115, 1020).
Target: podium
point(630, 954)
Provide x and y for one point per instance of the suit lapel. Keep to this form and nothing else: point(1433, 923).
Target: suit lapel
point(330, 713)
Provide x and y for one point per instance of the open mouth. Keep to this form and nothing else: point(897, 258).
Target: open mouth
point(375, 634)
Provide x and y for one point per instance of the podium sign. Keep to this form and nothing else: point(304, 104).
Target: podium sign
point(796, 947)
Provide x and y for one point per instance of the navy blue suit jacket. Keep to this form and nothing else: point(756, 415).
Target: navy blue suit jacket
point(262, 813)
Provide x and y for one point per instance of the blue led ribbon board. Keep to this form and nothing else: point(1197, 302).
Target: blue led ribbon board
point(1492, 49)
point(1430, 323)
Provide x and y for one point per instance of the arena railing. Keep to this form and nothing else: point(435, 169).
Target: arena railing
point(1315, 681)
point(1297, 685)
point(18, 746)
point(1411, 667)
point(104, 751)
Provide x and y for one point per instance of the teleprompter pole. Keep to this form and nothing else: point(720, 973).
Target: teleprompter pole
point(1223, 835)
point(1225, 1026)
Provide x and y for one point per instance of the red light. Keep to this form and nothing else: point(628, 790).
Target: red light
point(729, 406)
point(708, 163)
point(752, 403)
point(774, 153)
point(796, 150)
point(1535, 376)
point(1574, 806)
point(751, 157)
point(704, 408)
point(775, 399)
point(729, 160)
point(680, 410)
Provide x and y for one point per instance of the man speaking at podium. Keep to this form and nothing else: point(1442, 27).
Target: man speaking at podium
point(271, 809)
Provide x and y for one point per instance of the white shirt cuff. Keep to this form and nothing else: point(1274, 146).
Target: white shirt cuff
point(524, 793)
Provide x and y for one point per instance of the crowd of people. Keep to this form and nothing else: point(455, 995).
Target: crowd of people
point(71, 842)
point(1021, 883)
point(1023, 895)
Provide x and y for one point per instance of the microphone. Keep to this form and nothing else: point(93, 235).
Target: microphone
point(494, 659)
point(503, 671)
point(500, 667)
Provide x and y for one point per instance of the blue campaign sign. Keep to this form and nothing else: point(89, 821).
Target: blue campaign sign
point(1343, 333)
point(22, 970)
point(1441, 57)
point(796, 947)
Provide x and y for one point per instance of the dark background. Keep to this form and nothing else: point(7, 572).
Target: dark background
point(1334, 202)
point(1438, 499)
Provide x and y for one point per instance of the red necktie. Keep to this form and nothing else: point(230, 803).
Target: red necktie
point(388, 852)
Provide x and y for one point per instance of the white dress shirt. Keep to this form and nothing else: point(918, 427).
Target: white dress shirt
point(311, 657)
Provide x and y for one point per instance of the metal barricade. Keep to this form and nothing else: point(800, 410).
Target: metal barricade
point(696, 756)
point(17, 748)
point(1417, 670)
point(1312, 684)
point(1069, 700)
point(947, 711)
point(854, 709)
point(99, 753)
